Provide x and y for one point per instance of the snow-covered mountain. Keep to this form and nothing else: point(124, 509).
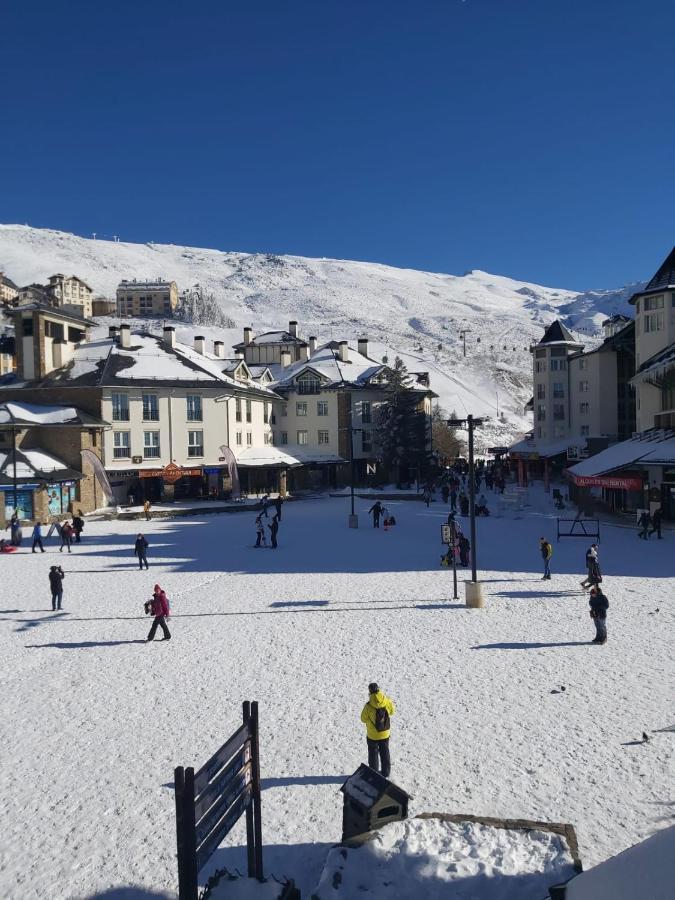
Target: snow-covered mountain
point(426, 318)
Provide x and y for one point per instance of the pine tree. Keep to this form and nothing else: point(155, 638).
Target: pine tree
point(201, 307)
point(401, 432)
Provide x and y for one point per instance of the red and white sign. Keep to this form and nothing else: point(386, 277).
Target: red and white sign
point(619, 482)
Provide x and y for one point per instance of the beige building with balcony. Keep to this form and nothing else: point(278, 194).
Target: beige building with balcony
point(71, 293)
point(8, 290)
point(147, 298)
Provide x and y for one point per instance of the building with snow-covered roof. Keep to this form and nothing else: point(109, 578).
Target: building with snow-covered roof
point(8, 290)
point(331, 398)
point(71, 293)
point(156, 298)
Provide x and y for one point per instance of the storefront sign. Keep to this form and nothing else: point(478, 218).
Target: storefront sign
point(171, 473)
point(621, 483)
point(212, 470)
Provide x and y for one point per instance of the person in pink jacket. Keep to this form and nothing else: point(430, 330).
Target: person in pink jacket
point(158, 607)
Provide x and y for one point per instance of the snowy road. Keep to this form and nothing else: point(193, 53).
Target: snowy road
point(94, 721)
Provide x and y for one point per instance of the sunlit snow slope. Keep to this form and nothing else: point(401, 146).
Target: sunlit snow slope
point(417, 315)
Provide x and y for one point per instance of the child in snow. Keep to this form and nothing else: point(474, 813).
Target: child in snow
point(158, 607)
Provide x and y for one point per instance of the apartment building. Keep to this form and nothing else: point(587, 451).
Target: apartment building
point(71, 293)
point(8, 290)
point(147, 298)
point(331, 395)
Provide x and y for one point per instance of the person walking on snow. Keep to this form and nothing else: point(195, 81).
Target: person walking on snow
point(66, 536)
point(376, 716)
point(546, 554)
point(277, 505)
point(656, 523)
point(56, 577)
point(265, 503)
point(37, 537)
point(644, 522)
point(274, 528)
point(426, 496)
point(376, 510)
point(78, 526)
point(141, 551)
point(453, 499)
point(260, 532)
point(599, 605)
point(445, 492)
point(592, 567)
point(146, 510)
point(158, 607)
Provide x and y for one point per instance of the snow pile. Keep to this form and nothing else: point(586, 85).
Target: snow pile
point(40, 415)
point(420, 316)
point(431, 858)
point(646, 870)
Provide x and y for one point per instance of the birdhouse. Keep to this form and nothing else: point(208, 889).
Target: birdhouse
point(371, 801)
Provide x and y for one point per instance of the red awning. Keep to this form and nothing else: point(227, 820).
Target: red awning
point(618, 482)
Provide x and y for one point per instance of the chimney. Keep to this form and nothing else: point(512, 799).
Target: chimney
point(285, 358)
point(293, 327)
point(200, 344)
point(248, 335)
point(363, 346)
point(304, 352)
point(312, 346)
point(343, 351)
point(219, 349)
point(58, 353)
point(239, 354)
point(112, 331)
point(125, 336)
point(169, 336)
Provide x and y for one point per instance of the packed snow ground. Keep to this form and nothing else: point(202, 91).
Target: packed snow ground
point(94, 721)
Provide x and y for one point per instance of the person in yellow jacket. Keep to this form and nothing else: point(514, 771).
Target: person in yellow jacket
point(376, 716)
point(146, 510)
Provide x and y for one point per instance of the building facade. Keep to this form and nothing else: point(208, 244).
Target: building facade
point(147, 298)
point(71, 293)
point(8, 290)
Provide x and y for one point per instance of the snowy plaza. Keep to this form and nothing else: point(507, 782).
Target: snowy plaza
point(506, 711)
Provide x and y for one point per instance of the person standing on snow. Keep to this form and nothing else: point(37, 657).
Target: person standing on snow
point(66, 536)
point(158, 607)
point(453, 499)
point(78, 526)
point(260, 532)
point(464, 550)
point(56, 577)
point(141, 551)
point(426, 496)
point(656, 523)
point(146, 510)
point(445, 492)
point(376, 510)
point(277, 505)
point(591, 561)
point(599, 605)
point(274, 528)
point(376, 716)
point(37, 537)
point(546, 554)
point(265, 503)
point(644, 522)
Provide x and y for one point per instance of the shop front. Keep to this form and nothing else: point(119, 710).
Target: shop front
point(172, 482)
point(21, 501)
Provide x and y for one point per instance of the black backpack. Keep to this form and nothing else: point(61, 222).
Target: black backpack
point(382, 722)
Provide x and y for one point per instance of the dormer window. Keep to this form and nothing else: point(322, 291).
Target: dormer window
point(308, 384)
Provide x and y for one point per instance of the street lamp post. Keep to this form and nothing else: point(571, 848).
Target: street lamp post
point(470, 423)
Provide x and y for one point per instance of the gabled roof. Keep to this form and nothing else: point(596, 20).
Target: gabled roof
point(367, 786)
point(272, 337)
point(660, 363)
point(325, 362)
point(34, 465)
point(665, 276)
point(557, 333)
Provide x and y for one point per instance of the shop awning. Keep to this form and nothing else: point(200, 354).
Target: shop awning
point(624, 482)
point(537, 450)
point(651, 448)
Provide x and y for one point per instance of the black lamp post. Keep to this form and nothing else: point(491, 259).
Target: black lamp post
point(470, 423)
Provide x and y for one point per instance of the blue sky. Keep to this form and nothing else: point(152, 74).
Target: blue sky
point(532, 138)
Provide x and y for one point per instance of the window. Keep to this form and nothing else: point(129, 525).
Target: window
point(541, 392)
point(585, 430)
point(558, 351)
point(301, 409)
point(266, 413)
point(323, 437)
point(151, 444)
point(248, 410)
point(366, 440)
point(541, 412)
point(540, 365)
point(150, 408)
point(237, 409)
point(366, 412)
point(563, 365)
point(195, 443)
point(249, 439)
point(120, 408)
point(121, 444)
point(75, 335)
point(322, 407)
point(653, 322)
point(584, 408)
point(194, 408)
point(558, 431)
point(284, 409)
point(554, 365)
point(583, 387)
point(308, 384)
point(583, 363)
point(238, 438)
point(654, 302)
point(558, 412)
point(302, 437)
point(54, 330)
point(558, 390)
point(284, 437)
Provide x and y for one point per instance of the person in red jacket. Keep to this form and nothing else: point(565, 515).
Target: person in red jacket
point(158, 606)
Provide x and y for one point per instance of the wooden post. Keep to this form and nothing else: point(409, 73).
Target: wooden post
point(255, 779)
point(179, 790)
point(190, 837)
point(250, 831)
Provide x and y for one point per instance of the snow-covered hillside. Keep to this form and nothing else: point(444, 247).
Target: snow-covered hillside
point(420, 316)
